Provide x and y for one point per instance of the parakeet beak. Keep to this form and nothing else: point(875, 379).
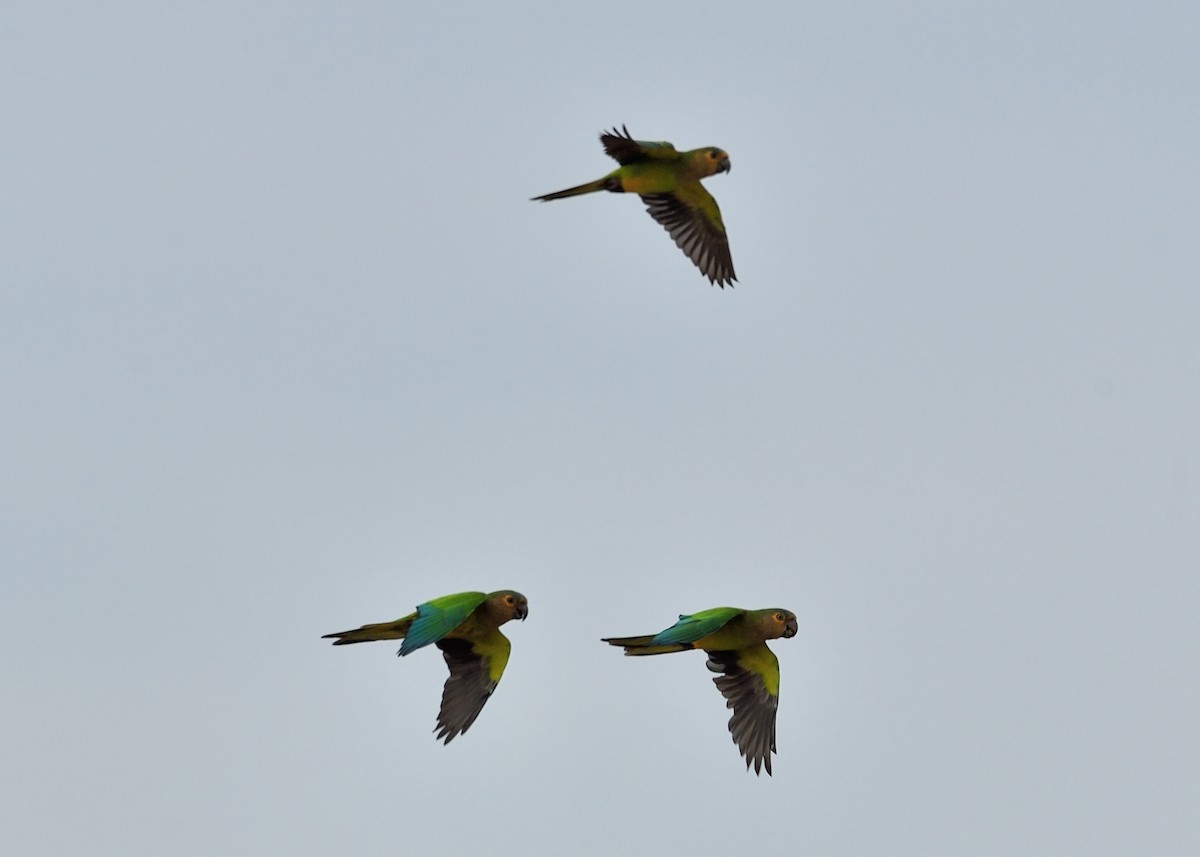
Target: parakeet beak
point(723, 167)
point(790, 629)
point(522, 611)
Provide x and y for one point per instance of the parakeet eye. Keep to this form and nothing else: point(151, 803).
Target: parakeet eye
point(779, 618)
point(714, 154)
point(509, 600)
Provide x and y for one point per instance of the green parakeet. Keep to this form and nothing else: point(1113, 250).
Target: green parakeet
point(668, 181)
point(736, 643)
point(466, 627)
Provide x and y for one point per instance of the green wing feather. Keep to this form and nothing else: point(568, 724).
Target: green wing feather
point(697, 198)
point(437, 618)
point(691, 628)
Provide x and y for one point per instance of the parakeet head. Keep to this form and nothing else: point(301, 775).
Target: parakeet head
point(777, 622)
point(707, 162)
point(507, 604)
point(719, 159)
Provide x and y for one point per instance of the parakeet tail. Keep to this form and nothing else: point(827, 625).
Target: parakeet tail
point(590, 187)
point(380, 631)
point(640, 645)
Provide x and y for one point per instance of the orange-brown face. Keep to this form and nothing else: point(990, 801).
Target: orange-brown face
point(513, 605)
point(718, 160)
point(784, 621)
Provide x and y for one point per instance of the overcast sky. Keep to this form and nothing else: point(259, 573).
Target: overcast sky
point(285, 348)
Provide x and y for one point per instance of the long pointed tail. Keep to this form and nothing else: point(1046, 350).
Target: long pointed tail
point(641, 645)
point(590, 187)
point(380, 631)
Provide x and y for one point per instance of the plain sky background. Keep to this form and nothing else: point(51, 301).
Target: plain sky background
point(285, 348)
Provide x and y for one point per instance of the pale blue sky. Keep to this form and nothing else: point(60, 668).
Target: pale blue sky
point(285, 348)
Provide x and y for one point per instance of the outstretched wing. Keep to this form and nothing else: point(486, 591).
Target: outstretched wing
point(620, 146)
point(693, 219)
point(437, 618)
point(475, 670)
point(750, 685)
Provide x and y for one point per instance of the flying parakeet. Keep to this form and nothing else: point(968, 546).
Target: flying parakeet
point(735, 641)
point(668, 181)
point(466, 627)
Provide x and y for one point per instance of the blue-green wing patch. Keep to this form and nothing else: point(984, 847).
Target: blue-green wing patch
point(437, 618)
point(691, 628)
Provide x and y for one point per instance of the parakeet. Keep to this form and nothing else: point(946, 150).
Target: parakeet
point(466, 627)
point(735, 641)
point(668, 181)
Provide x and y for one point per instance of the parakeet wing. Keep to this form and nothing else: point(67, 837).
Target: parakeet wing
point(691, 628)
point(750, 685)
point(693, 219)
point(437, 618)
point(626, 150)
point(475, 670)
